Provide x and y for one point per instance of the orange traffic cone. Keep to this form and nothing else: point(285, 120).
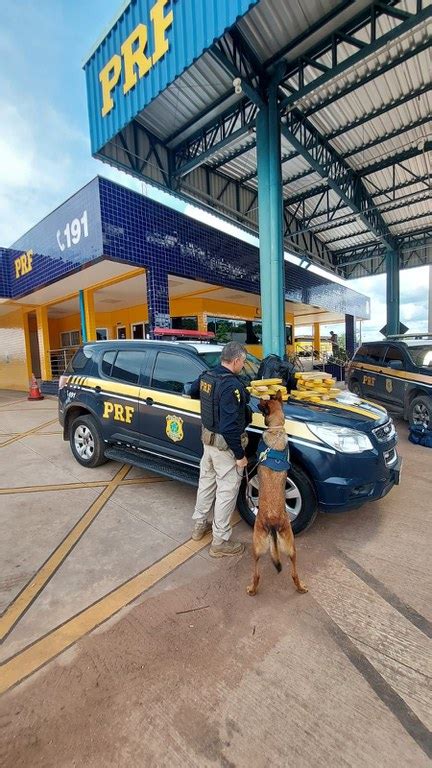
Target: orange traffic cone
point(34, 393)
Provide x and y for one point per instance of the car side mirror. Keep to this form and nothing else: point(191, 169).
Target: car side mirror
point(397, 365)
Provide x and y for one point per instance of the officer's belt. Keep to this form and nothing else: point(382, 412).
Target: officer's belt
point(218, 441)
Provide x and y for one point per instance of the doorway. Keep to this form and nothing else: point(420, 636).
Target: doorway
point(139, 330)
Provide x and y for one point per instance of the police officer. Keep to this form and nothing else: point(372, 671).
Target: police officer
point(224, 415)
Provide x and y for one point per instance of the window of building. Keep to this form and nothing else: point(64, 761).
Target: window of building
point(139, 330)
point(189, 323)
point(227, 329)
point(173, 371)
point(101, 334)
point(70, 339)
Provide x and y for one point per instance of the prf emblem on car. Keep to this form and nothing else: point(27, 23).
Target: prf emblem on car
point(369, 380)
point(118, 412)
point(174, 428)
point(389, 385)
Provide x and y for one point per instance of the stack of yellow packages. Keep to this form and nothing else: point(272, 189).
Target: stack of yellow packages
point(265, 388)
point(314, 386)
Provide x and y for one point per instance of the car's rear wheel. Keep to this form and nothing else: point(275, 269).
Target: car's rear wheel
point(86, 442)
point(355, 387)
point(420, 411)
point(300, 500)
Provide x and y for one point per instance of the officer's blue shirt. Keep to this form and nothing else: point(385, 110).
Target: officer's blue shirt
point(229, 404)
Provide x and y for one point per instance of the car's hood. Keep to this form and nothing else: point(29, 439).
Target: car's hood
point(346, 410)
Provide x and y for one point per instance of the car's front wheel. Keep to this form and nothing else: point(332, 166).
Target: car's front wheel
point(420, 411)
point(86, 442)
point(300, 500)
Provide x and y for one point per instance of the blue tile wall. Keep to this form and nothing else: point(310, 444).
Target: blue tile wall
point(55, 255)
point(124, 226)
point(146, 233)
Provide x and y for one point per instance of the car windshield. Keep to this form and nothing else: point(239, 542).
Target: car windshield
point(422, 355)
point(249, 372)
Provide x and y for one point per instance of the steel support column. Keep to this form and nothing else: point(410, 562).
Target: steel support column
point(82, 317)
point(392, 290)
point(272, 267)
point(349, 335)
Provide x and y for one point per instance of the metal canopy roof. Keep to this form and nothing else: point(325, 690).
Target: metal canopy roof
point(355, 103)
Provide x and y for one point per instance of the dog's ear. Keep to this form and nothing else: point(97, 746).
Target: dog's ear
point(263, 405)
point(278, 396)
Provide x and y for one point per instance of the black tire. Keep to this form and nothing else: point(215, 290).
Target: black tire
point(420, 411)
point(355, 387)
point(85, 431)
point(304, 507)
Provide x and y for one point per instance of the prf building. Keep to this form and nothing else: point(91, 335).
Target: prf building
point(112, 263)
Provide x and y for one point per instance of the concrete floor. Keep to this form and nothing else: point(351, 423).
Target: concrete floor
point(126, 645)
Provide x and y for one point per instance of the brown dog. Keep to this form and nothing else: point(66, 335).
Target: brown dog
point(272, 526)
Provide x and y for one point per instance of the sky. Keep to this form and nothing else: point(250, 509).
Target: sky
point(44, 137)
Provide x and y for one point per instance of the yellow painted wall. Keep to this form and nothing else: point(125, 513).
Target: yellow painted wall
point(200, 307)
point(13, 360)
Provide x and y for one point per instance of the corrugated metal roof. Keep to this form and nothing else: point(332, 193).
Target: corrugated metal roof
point(376, 123)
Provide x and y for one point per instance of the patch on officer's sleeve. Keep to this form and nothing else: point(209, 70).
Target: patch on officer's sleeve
point(237, 394)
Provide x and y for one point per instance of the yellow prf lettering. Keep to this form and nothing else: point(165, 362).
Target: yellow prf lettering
point(23, 264)
point(109, 77)
point(160, 25)
point(129, 412)
point(108, 409)
point(134, 59)
point(133, 52)
point(118, 412)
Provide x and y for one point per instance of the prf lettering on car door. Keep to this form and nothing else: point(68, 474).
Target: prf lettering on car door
point(369, 381)
point(118, 412)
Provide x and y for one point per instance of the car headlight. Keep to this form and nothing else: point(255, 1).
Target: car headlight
point(342, 439)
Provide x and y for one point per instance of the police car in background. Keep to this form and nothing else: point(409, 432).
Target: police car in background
point(123, 400)
point(396, 372)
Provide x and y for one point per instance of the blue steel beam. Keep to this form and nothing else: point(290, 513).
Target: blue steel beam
point(378, 112)
point(323, 158)
point(396, 159)
point(345, 219)
point(322, 188)
point(387, 136)
point(303, 72)
point(233, 155)
point(229, 127)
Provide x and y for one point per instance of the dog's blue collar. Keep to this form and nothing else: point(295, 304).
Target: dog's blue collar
point(276, 460)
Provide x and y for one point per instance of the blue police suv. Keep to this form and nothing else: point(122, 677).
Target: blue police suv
point(124, 400)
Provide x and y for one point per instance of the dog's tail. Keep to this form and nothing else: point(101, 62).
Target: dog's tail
point(274, 549)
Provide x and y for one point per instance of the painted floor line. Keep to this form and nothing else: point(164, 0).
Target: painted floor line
point(29, 432)
point(30, 592)
point(35, 656)
point(13, 402)
point(79, 486)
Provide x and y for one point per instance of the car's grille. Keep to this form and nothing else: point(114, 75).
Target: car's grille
point(386, 432)
point(390, 457)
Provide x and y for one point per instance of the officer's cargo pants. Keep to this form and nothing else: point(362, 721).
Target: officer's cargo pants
point(219, 484)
